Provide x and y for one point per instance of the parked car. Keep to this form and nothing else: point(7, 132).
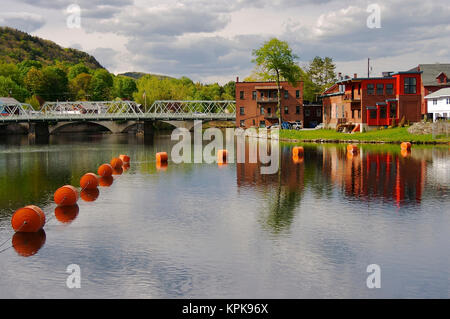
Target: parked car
point(298, 125)
point(274, 126)
point(319, 126)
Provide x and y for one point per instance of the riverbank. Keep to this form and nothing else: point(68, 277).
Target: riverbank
point(393, 135)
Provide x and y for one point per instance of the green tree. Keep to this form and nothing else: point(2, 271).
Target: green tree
point(11, 70)
point(8, 86)
point(76, 70)
point(34, 102)
point(229, 91)
point(321, 71)
point(150, 89)
point(55, 84)
point(79, 86)
point(277, 62)
point(101, 85)
point(124, 87)
point(34, 81)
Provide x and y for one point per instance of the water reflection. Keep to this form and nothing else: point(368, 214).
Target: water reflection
point(28, 244)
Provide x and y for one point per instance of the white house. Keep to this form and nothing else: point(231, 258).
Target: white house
point(439, 104)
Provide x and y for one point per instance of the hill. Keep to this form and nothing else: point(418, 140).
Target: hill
point(16, 46)
point(138, 75)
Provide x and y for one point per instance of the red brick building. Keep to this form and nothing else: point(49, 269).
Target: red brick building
point(434, 77)
point(256, 103)
point(373, 102)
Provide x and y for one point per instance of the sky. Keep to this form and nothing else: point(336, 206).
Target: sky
point(212, 41)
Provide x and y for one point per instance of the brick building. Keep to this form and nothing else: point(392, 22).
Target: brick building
point(373, 102)
point(256, 103)
point(434, 77)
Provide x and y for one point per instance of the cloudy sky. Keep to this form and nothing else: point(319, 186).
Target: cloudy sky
point(212, 40)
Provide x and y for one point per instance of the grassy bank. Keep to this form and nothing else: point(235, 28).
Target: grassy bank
point(398, 134)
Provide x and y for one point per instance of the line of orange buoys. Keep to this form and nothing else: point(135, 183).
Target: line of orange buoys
point(28, 222)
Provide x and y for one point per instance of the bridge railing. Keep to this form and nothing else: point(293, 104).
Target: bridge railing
point(119, 110)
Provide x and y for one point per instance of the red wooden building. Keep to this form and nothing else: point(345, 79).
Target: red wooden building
point(373, 102)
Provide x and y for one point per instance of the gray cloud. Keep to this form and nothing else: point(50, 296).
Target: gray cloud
point(106, 57)
point(24, 21)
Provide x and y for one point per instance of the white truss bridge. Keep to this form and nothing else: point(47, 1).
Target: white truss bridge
point(119, 110)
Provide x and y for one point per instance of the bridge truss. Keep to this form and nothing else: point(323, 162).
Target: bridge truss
point(120, 110)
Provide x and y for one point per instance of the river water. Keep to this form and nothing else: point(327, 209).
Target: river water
point(208, 231)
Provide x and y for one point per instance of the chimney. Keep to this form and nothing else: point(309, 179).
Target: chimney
point(340, 76)
point(355, 76)
point(237, 79)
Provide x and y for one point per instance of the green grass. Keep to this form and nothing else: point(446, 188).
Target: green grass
point(398, 134)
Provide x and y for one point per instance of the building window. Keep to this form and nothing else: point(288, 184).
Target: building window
point(297, 94)
point(242, 123)
point(262, 95)
point(241, 110)
point(393, 110)
point(269, 110)
point(373, 114)
point(359, 114)
point(254, 95)
point(262, 123)
point(297, 109)
point(343, 111)
point(241, 95)
point(435, 102)
point(448, 100)
point(319, 112)
point(286, 94)
point(286, 110)
point(262, 111)
point(410, 85)
point(359, 89)
point(269, 94)
point(307, 113)
point(380, 89)
point(370, 89)
point(253, 121)
point(390, 88)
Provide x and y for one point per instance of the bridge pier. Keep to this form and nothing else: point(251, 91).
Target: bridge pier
point(38, 129)
point(144, 128)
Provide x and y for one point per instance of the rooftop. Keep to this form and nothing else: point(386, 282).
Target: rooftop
point(439, 93)
point(431, 71)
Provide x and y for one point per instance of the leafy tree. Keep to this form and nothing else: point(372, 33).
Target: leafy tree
point(322, 73)
point(150, 89)
point(101, 85)
point(8, 86)
point(55, 84)
point(229, 91)
point(79, 86)
point(76, 70)
point(34, 81)
point(11, 70)
point(34, 102)
point(124, 87)
point(277, 61)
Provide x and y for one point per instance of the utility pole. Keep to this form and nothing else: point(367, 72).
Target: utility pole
point(368, 67)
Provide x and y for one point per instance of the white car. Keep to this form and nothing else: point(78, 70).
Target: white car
point(297, 125)
point(319, 126)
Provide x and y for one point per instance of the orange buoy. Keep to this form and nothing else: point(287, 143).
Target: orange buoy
point(222, 156)
point(126, 166)
point(66, 195)
point(162, 157)
point(161, 165)
point(105, 181)
point(405, 146)
point(298, 151)
point(28, 219)
point(28, 244)
point(116, 162)
point(105, 170)
point(124, 158)
point(297, 159)
point(89, 194)
point(89, 181)
point(117, 170)
point(352, 148)
point(405, 152)
point(66, 214)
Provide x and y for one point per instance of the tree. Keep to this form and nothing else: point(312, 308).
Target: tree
point(10, 70)
point(55, 84)
point(321, 72)
point(124, 87)
point(79, 86)
point(76, 70)
point(8, 86)
point(101, 85)
point(34, 81)
point(277, 62)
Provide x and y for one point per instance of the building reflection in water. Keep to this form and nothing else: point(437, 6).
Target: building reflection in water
point(369, 175)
